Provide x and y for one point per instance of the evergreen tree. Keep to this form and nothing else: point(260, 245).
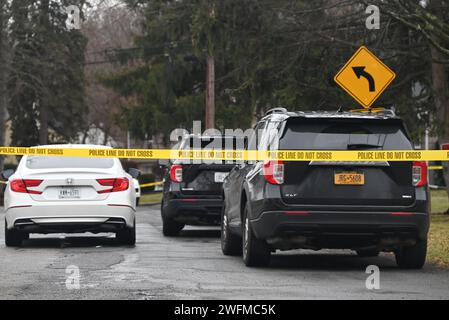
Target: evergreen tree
point(47, 81)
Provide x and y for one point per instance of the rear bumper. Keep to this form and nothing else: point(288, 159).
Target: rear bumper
point(70, 218)
point(195, 211)
point(329, 227)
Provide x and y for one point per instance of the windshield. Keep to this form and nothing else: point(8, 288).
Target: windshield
point(216, 142)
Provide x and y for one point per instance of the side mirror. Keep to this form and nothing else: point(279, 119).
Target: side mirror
point(134, 173)
point(163, 162)
point(7, 173)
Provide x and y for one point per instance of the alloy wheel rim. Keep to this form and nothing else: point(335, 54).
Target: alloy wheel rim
point(225, 227)
point(246, 235)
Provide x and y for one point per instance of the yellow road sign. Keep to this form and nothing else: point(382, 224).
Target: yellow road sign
point(365, 77)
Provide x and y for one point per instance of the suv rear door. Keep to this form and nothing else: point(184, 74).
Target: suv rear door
point(205, 178)
point(319, 183)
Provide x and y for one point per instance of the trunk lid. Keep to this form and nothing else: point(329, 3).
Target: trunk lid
point(68, 178)
point(205, 178)
point(69, 185)
point(347, 183)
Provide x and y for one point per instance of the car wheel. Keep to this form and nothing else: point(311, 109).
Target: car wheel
point(412, 257)
point(368, 253)
point(170, 228)
point(231, 244)
point(137, 202)
point(14, 238)
point(128, 235)
point(256, 252)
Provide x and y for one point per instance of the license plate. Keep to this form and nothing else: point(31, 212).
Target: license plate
point(350, 178)
point(69, 193)
point(220, 176)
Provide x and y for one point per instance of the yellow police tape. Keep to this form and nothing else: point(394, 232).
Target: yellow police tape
point(230, 155)
point(151, 184)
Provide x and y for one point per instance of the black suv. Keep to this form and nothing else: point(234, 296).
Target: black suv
point(364, 206)
point(193, 190)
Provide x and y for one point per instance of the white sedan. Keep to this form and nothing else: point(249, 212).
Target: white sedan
point(48, 194)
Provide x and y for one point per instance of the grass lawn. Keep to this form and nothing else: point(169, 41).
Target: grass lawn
point(153, 198)
point(440, 202)
point(438, 250)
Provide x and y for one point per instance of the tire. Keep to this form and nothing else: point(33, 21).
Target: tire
point(170, 228)
point(413, 257)
point(256, 252)
point(128, 235)
point(137, 202)
point(231, 244)
point(14, 238)
point(368, 253)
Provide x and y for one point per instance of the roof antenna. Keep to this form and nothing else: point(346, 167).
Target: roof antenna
point(340, 110)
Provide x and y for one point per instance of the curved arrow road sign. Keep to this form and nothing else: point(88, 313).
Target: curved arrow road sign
point(364, 77)
point(360, 72)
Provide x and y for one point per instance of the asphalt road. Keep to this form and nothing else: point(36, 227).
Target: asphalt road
point(193, 267)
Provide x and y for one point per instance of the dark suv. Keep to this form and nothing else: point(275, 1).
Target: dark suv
point(364, 206)
point(193, 190)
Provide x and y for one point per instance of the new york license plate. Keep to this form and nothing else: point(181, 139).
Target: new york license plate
point(349, 178)
point(220, 177)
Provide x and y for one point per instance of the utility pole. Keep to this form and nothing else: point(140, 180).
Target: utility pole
point(210, 80)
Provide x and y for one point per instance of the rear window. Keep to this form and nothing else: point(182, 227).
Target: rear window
point(33, 162)
point(223, 143)
point(344, 134)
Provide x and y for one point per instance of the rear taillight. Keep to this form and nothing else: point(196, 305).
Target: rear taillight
point(419, 173)
point(273, 171)
point(116, 185)
point(402, 214)
point(297, 213)
point(176, 173)
point(22, 186)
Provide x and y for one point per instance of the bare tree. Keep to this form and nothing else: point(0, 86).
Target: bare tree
point(108, 28)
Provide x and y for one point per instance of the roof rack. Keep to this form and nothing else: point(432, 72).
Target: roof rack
point(377, 110)
point(276, 110)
